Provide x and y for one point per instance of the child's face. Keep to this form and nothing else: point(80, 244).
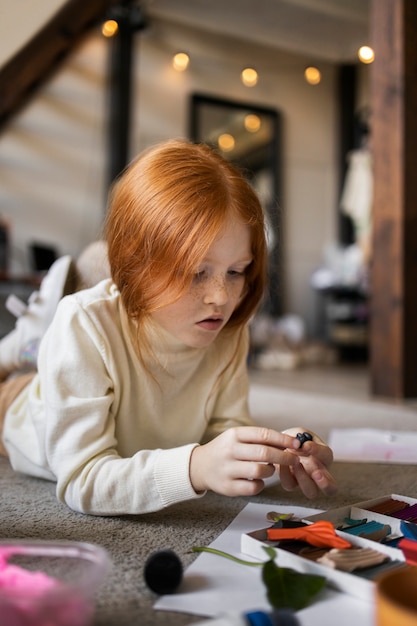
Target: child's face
point(218, 286)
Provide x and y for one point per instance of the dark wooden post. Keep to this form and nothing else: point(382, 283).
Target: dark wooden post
point(393, 335)
point(130, 19)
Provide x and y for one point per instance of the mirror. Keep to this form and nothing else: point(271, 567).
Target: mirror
point(249, 136)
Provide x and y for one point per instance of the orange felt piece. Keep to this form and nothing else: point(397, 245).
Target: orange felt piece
point(320, 534)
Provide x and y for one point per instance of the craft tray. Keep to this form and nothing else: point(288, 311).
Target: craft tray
point(360, 511)
point(349, 583)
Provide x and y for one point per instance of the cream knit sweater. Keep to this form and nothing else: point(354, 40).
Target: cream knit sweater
point(115, 439)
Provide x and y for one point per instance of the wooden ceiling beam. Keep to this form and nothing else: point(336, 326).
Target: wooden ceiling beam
point(35, 62)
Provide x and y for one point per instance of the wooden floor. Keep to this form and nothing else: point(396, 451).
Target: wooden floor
point(342, 380)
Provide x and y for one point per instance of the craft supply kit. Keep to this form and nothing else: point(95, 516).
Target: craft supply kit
point(350, 546)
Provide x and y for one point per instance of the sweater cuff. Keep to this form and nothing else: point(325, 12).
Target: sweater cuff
point(172, 475)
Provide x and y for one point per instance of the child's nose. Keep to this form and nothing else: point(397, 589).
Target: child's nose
point(216, 291)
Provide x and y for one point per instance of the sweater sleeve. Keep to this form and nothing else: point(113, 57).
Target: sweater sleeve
point(79, 428)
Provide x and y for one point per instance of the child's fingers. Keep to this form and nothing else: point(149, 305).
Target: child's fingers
point(312, 477)
point(325, 481)
point(260, 471)
point(265, 455)
point(320, 451)
point(266, 436)
point(310, 482)
point(287, 480)
point(305, 482)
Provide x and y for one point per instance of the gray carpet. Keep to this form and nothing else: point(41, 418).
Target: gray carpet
point(28, 509)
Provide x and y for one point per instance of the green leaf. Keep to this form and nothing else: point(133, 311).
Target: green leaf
point(287, 588)
point(271, 552)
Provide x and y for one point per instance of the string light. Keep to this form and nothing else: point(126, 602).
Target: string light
point(109, 28)
point(252, 123)
point(312, 75)
point(180, 61)
point(249, 77)
point(366, 54)
point(226, 142)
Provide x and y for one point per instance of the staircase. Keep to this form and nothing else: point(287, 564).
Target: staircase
point(53, 128)
point(38, 57)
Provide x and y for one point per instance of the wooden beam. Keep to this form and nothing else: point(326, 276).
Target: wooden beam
point(393, 333)
point(34, 63)
point(130, 19)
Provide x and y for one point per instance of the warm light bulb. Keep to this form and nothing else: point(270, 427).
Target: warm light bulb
point(366, 54)
point(109, 28)
point(312, 75)
point(249, 77)
point(180, 61)
point(252, 123)
point(226, 142)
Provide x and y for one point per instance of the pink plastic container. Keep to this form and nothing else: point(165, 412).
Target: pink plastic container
point(45, 583)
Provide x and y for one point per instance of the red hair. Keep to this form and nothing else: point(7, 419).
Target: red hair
point(165, 211)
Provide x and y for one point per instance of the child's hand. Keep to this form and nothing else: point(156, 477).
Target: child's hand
point(237, 462)
point(311, 472)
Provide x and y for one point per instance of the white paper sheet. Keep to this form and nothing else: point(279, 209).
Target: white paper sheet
point(371, 445)
point(214, 585)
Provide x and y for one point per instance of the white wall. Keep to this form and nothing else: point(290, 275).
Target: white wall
point(20, 20)
point(53, 161)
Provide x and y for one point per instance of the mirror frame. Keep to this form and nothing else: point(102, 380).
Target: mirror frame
point(198, 102)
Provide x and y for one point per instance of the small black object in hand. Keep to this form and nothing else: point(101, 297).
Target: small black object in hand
point(163, 572)
point(303, 437)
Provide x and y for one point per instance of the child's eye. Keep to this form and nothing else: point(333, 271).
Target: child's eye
point(199, 276)
point(236, 273)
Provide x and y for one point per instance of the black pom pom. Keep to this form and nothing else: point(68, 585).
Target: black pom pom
point(163, 572)
point(303, 437)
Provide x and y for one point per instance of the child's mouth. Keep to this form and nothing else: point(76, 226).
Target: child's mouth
point(211, 323)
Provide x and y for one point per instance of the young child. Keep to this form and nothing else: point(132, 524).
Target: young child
point(140, 399)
